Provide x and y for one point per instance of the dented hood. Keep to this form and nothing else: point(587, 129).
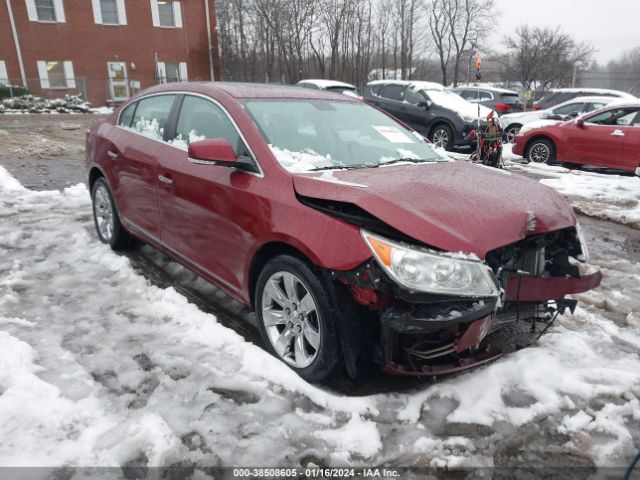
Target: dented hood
point(453, 206)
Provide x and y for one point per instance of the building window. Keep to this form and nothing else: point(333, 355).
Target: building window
point(4, 78)
point(45, 10)
point(56, 74)
point(109, 12)
point(166, 13)
point(172, 72)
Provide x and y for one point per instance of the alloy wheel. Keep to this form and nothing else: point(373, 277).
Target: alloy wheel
point(441, 138)
point(103, 209)
point(539, 153)
point(291, 319)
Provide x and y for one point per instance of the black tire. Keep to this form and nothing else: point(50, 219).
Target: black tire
point(541, 150)
point(119, 239)
point(441, 132)
point(327, 355)
point(512, 131)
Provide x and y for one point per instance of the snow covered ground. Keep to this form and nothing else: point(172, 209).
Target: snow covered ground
point(101, 367)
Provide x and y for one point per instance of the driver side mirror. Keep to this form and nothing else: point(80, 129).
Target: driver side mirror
point(580, 123)
point(217, 151)
point(426, 104)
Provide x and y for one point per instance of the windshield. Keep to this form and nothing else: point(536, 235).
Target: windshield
point(307, 135)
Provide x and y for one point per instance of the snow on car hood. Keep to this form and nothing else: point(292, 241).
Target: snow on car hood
point(452, 206)
point(523, 117)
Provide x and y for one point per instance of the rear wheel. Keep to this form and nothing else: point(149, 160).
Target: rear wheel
point(295, 318)
point(541, 150)
point(106, 219)
point(442, 136)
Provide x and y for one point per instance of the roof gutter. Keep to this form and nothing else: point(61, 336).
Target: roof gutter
point(17, 43)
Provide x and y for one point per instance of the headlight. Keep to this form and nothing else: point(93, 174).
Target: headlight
point(583, 244)
point(424, 270)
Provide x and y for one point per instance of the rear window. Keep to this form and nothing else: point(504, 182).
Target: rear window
point(127, 115)
point(510, 98)
point(152, 115)
point(373, 89)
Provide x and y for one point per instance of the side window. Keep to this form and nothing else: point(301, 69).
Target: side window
point(414, 96)
point(568, 109)
point(127, 115)
point(466, 94)
point(394, 92)
point(374, 89)
point(484, 95)
point(616, 116)
point(593, 106)
point(200, 119)
point(151, 116)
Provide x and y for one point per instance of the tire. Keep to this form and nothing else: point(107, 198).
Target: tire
point(512, 131)
point(442, 136)
point(303, 337)
point(541, 150)
point(106, 219)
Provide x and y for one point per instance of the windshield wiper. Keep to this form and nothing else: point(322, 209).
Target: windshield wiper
point(406, 159)
point(342, 167)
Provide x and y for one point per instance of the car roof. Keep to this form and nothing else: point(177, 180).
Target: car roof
point(608, 100)
point(592, 91)
point(240, 90)
point(323, 83)
point(416, 83)
point(486, 87)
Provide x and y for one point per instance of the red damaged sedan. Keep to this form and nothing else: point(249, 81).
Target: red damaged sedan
point(352, 238)
point(609, 137)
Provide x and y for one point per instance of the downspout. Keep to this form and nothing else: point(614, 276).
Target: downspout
point(17, 43)
point(209, 46)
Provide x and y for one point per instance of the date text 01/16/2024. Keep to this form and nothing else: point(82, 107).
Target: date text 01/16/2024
point(317, 472)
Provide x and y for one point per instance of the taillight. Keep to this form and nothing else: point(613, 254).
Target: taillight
point(536, 106)
point(502, 107)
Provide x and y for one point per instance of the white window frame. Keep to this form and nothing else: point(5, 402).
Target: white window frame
point(177, 14)
point(32, 12)
point(162, 72)
point(97, 13)
point(4, 77)
point(68, 74)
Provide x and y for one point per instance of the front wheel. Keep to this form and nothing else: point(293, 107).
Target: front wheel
point(541, 151)
point(442, 137)
point(295, 318)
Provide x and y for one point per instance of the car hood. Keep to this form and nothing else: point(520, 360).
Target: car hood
point(453, 206)
point(523, 117)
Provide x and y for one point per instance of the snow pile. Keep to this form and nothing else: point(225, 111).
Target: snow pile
point(298, 162)
point(98, 366)
point(612, 197)
point(33, 104)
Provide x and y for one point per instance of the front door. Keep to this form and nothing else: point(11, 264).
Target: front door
point(118, 82)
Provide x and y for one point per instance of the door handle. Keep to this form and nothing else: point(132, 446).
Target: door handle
point(112, 155)
point(166, 180)
point(617, 133)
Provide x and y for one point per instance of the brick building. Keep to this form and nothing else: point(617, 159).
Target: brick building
point(106, 50)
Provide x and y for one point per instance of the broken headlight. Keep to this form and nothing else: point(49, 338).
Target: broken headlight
point(423, 270)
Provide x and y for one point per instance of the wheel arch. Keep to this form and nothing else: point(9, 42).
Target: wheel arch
point(540, 136)
point(94, 174)
point(442, 121)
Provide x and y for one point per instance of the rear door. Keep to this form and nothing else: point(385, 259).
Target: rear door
point(631, 158)
point(601, 140)
point(134, 158)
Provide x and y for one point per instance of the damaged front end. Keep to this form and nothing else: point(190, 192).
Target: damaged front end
point(440, 313)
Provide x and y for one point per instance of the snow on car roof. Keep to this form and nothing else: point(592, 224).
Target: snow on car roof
point(323, 83)
point(593, 91)
point(483, 86)
point(417, 83)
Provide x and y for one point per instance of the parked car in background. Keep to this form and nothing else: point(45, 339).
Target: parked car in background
point(609, 137)
point(513, 122)
point(498, 99)
point(561, 95)
point(351, 236)
point(436, 112)
point(330, 85)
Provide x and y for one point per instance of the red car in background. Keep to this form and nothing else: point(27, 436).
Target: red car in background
point(609, 137)
point(351, 237)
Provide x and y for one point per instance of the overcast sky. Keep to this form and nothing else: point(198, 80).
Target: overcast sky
point(612, 26)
